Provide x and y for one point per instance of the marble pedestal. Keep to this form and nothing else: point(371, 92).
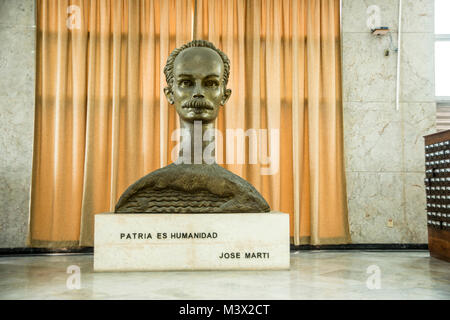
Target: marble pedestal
point(146, 242)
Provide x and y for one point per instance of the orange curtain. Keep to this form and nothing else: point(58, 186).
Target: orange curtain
point(102, 121)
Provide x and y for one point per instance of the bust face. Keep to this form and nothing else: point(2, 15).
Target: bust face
point(198, 90)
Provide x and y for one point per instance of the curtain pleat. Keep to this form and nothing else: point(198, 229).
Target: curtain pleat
point(102, 120)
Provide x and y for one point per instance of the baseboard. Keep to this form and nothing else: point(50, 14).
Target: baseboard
point(38, 251)
point(363, 246)
point(353, 246)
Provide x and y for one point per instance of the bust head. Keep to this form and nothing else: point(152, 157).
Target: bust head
point(197, 74)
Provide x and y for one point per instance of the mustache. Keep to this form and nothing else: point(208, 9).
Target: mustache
point(197, 103)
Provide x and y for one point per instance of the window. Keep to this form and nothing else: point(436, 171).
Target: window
point(442, 116)
point(442, 49)
point(442, 63)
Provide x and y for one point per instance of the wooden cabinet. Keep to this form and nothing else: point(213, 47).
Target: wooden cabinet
point(437, 186)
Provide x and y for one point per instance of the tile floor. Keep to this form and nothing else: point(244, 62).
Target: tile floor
point(313, 275)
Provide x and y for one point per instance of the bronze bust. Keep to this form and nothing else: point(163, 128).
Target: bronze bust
point(197, 75)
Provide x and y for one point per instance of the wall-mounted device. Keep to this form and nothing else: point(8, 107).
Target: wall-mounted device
point(381, 31)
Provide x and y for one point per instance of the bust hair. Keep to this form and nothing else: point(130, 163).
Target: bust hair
point(168, 69)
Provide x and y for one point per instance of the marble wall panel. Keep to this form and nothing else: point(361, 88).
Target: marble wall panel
point(16, 135)
point(14, 206)
point(419, 119)
point(372, 137)
point(16, 143)
point(418, 16)
point(355, 14)
point(368, 74)
point(414, 230)
point(17, 12)
point(373, 199)
point(17, 61)
point(17, 67)
point(417, 67)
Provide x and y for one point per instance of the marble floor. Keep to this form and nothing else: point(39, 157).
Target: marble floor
point(313, 275)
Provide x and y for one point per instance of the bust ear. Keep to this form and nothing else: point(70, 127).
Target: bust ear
point(169, 95)
point(226, 96)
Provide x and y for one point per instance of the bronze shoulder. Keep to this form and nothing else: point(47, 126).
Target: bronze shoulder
point(191, 188)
